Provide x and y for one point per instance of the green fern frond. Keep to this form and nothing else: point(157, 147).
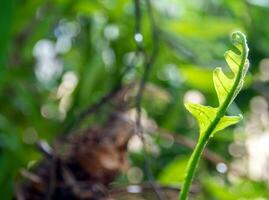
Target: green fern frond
point(212, 119)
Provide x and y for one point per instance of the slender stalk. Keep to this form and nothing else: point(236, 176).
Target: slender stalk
point(198, 151)
point(192, 165)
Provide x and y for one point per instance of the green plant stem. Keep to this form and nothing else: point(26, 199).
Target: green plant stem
point(196, 155)
point(192, 165)
point(197, 152)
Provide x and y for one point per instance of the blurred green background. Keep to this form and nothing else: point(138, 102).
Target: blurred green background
point(59, 56)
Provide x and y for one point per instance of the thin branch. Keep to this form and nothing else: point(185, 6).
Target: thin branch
point(52, 178)
point(187, 142)
point(91, 109)
point(144, 187)
point(148, 64)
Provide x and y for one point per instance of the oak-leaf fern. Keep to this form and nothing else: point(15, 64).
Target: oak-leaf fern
point(213, 119)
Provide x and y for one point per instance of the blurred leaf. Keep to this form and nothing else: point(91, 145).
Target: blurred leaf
point(241, 189)
point(213, 27)
point(87, 7)
point(192, 76)
point(173, 173)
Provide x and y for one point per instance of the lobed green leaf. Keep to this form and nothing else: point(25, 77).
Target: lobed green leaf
point(212, 120)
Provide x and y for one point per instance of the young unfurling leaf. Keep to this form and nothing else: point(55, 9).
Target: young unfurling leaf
point(212, 120)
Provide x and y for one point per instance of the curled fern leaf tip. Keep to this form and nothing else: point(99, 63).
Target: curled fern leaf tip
point(213, 119)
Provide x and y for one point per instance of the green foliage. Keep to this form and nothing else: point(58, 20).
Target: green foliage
point(170, 175)
point(192, 41)
point(226, 88)
point(6, 12)
point(212, 120)
point(241, 189)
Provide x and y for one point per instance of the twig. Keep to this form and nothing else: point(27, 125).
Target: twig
point(118, 191)
point(99, 104)
point(187, 142)
point(207, 154)
point(149, 61)
point(32, 177)
point(91, 109)
point(52, 178)
point(18, 192)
